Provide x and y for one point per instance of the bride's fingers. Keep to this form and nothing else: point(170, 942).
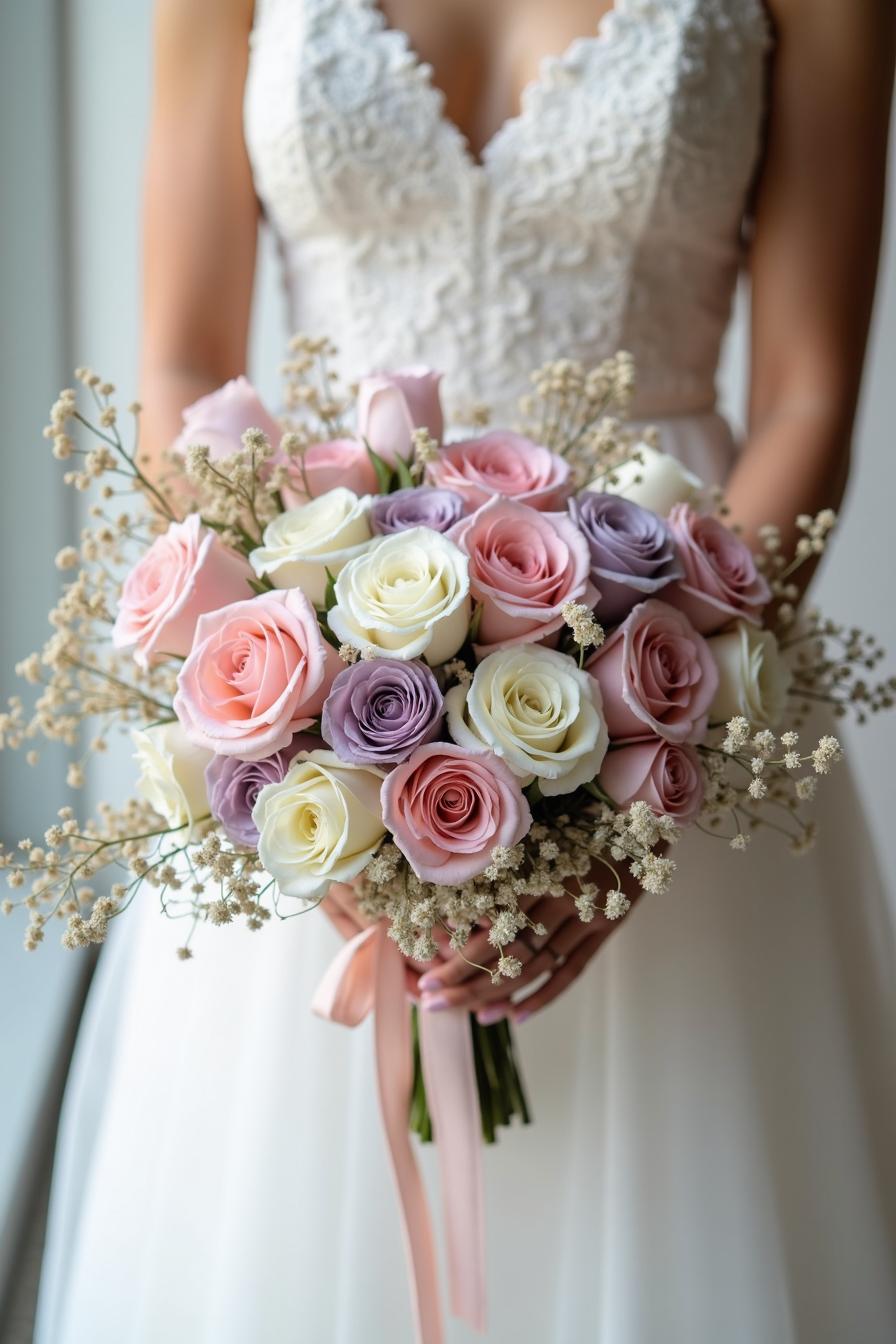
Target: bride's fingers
point(476, 992)
point(479, 951)
point(560, 980)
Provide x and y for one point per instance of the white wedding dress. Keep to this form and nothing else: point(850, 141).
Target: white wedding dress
point(712, 1159)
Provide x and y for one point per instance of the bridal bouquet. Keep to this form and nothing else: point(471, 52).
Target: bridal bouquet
point(460, 672)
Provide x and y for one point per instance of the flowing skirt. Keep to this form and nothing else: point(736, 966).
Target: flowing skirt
point(712, 1156)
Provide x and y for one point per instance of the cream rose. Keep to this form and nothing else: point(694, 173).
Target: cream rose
point(538, 711)
point(406, 596)
point(753, 677)
point(321, 824)
point(657, 482)
point(172, 774)
point(299, 546)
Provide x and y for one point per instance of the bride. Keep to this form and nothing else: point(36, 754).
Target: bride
point(484, 187)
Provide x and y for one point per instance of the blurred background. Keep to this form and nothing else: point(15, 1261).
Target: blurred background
point(74, 98)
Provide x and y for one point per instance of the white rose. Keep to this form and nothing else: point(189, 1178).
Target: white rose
point(172, 774)
point(663, 481)
point(754, 679)
point(408, 595)
point(322, 823)
point(301, 544)
point(538, 711)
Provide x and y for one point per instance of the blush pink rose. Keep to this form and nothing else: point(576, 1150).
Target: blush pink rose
point(721, 582)
point(186, 572)
point(391, 405)
point(524, 566)
point(448, 808)
point(340, 462)
point(258, 673)
point(656, 675)
point(665, 775)
point(219, 420)
point(502, 463)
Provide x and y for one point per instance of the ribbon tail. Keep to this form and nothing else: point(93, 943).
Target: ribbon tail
point(346, 992)
point(446, 1050)
point(394, 1055)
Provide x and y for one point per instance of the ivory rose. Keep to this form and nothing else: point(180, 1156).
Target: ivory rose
point(524, 567)
point(538, 711)
point(448, 808)
point(219, 420)
point(406, 596)
point(502, 463)
point(657, 676)
point(323, 466)
point(665, 775)
point(300, 545)
point(657, 482)
point(322, 823)
point(391, 405)
point(721, 581)
point(186, 572)
point(754, 679)
point(172, 775)
point(259, 672)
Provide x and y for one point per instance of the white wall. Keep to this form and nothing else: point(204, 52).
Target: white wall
point(73, 105)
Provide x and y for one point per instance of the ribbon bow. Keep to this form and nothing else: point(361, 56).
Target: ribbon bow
point(367, 974)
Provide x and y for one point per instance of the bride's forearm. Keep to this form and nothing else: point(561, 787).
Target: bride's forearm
point(797, 462)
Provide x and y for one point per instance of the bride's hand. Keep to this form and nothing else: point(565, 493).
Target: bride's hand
point(340, 905)
point(560, 954)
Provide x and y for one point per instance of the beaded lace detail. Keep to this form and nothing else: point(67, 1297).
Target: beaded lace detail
point(607, 214)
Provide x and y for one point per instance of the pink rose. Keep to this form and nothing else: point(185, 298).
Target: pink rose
point(259, 671)
point(524, 565)
point(341, 462)
point(186, 572)
point(219, 420)
point(392, 405)
point(665, 775)
point(448, 808)
point(656, 675)
point(502, 463)
point(721, 581)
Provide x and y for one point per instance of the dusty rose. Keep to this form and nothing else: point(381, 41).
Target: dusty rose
point(325, 466)
point(524, 566)
point(258, 673)
point(219, 420)
point(448, 808)
point(186, 572)
point(632, 553)
point(502, 463)
point(721, 581)
point(665, 775)
point(657, 676)
point(391, 405)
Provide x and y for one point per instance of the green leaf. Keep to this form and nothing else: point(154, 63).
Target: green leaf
point(475, 622)
point(533, 792)
point(402, 471)
point(260, 586)
point(382, 469)
point(329, 592)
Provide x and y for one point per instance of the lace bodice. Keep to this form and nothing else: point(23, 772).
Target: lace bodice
point(607, 215)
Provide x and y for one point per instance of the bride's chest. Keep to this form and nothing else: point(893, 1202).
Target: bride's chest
point(348, 134)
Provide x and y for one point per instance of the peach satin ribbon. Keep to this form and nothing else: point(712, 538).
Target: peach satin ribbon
point(367, 974)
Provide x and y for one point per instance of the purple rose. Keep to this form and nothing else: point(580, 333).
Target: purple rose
point(379, 711)
point(424, 506)
point(633, 555)
point(233, 787)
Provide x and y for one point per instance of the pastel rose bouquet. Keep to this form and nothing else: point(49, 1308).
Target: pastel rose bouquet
point(459, 673)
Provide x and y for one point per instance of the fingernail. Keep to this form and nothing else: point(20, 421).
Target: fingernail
point(431, 1003)
point(521, 1017)
point(486, 1016)
point(429, 981)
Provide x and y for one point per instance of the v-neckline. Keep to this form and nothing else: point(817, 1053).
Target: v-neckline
point(478, 163)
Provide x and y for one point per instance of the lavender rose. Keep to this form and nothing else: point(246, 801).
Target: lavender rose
point(233, 787)
point(632, 552)
point(424, 506)
point(379, 711)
